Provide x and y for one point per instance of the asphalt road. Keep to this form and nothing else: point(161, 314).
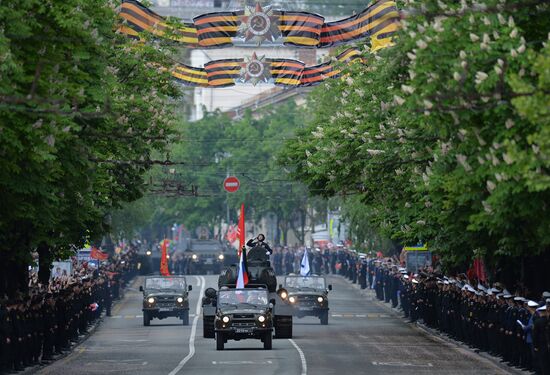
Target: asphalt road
point(362, 338)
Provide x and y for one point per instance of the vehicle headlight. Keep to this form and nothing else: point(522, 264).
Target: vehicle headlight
point(221, 256)
point(148, 252)
point(194, 256)
point(225, 319)
point(261, 319)
point(180, 300)
point(167, 256)
point(151, 300)
point(284, 295)
point(292, 299)
point(320, 299)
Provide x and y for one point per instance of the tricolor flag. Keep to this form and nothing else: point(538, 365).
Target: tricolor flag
point(304, 265)
point(242, 278)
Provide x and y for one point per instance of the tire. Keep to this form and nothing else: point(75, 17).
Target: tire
point(208, 327)
point(283, 327)
point(185, 318)
point(146, 319)
point(324, 318)
point(219, 341)
point(268, 341)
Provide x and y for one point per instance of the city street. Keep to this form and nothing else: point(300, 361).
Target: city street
point(362, 337)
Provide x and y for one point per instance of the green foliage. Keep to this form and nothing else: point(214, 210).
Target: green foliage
point(216, 147)
point(445, 136)
point(81, 111)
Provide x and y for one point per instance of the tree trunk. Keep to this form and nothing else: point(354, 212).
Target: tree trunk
point(44, 263)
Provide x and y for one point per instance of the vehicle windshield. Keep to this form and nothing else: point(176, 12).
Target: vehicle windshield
point(242, 297)
point(305, 282)
point(176, 283)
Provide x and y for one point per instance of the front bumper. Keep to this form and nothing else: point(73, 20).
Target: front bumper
point(165, 312)
point(233, 333)
point(306, 310)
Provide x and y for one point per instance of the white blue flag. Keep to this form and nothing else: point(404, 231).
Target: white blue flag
point(304, 265)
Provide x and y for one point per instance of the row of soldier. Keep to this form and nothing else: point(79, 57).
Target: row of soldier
point(487, 318)
point(44, 322)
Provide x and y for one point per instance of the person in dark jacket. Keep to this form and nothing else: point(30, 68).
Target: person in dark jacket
point(259, 241)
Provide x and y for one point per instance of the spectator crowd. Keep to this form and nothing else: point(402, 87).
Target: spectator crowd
point(38, 325)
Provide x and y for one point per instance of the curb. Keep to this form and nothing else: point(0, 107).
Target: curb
point(34, 369)
point(432, 333)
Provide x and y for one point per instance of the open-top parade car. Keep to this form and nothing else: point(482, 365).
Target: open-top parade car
point(165, 296)
point(308, 296)
point(242, 314)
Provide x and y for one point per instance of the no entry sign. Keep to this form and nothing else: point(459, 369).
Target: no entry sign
point(231, 184)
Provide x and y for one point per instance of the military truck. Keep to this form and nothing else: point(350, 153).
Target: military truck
point(308, 296)
point(165, 296)
point(262, 277)
point(242, 314)
point(206, 256)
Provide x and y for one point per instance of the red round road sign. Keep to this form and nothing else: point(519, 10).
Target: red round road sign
point(231, 184)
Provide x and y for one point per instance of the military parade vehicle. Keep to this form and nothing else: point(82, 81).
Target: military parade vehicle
point(165, 296)
point(308, 296)
point(242, 314)
point(261, 278)
point(207, 256)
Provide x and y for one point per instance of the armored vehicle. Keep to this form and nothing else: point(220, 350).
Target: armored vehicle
point(260, 276)
point(242, 314)
point(165, 296)
point(308, 296)
point(206, 256)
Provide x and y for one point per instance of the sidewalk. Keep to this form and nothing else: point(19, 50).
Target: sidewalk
point(81, 338)
point(370, 295)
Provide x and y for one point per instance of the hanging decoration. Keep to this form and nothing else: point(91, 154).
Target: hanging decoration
point(258, 69)
point(265, 25)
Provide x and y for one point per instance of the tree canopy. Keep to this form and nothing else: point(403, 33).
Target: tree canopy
point(443, 136)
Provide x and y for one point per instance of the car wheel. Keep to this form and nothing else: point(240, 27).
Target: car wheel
point(146, 319)
point(208, 327)
point(185, 318)
point(219, 341)
point(268, 340)
point(324, 318)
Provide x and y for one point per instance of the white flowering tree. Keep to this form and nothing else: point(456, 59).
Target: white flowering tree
point(445, 135)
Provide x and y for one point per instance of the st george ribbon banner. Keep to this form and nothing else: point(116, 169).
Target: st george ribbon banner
point(259, 69)
point(265, 25)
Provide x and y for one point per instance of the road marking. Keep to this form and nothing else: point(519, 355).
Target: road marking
point(242, 362)
point(402, 364)
point(302, 357)
point(369, 316)
point(201, 281)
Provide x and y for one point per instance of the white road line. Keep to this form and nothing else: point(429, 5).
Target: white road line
point(201, 282)
point(302, 357)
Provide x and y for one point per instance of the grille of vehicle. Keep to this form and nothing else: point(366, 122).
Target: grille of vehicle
point(166, 301)
point(243, 316)
point(243, 324)
point(308, 300)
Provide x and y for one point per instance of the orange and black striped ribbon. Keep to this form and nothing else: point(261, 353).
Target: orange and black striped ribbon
point(379, 21)
point(223, 73)
point(138, 18)
point(284, 72)
point(300, 29)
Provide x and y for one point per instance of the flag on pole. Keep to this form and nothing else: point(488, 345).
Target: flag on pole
point(242, 278)
point(304, 265)
point(241, 230)
point(164, 271)
point(98, 254)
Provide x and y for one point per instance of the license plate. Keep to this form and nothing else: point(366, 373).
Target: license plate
point(209, 261)
point(305, 308)
point(243, 330)
point(164, 309)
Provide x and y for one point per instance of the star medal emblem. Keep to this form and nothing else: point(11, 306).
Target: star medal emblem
point(259, 24)
point(255, 70)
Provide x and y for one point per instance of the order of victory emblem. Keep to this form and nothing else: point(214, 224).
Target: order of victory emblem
point(259, 24)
